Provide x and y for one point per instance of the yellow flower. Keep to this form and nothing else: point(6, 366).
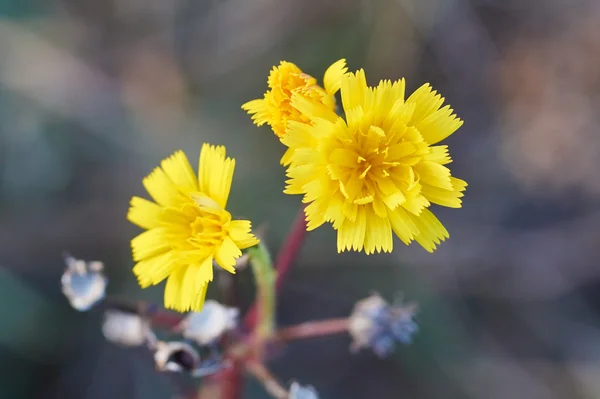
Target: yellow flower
point(188, 227)
point(378, 170)
point(284, 81)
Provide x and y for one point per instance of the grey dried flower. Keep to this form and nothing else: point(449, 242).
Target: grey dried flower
point(127, 328)
point(207, 326)
point(376, 324)
point(298, 391)
point(83, 283)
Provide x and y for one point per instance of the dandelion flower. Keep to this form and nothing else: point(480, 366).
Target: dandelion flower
point(379, 169)
point(188, 227)
point(285, 80)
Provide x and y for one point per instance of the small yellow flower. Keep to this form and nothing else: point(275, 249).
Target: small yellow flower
point(284, 81)
point(188, 227)
point(378, 170)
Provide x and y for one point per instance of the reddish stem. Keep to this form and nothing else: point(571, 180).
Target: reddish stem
point(288, 253)
point(231, 381)
point(312, 329)
point(262, 374)
point(166, 320)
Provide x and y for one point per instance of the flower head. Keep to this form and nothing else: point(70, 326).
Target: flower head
point(379, 169)
point(83, 283)
point(284, 81)
point(376, 324)
point(188, 227)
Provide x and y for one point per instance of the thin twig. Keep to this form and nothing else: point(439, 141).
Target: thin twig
point(262, 374)
point(312, 329)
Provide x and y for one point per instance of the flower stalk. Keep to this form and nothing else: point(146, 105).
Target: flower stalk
point(312, 329)
point(262, 374)
point(285, 259)
point(264, 275)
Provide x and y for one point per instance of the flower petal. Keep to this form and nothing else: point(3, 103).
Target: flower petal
point(178, 169)
point(426, 101)
point(431, 230)
point(215, 173)
point(152, 271)
point(259, 109)
point(333, 76)
point(240, 232)
point(144, 213)
point(226, 255)
point(438, 125)
point(162, 189)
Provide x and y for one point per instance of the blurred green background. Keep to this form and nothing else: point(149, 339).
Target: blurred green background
point(93, 94)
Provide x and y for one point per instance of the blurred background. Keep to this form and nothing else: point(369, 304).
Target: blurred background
point(93, 94)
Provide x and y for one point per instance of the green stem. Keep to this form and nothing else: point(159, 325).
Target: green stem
point(264, 275)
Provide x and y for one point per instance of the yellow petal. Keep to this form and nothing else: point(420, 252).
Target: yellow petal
point(438, 154)
point(178, 169)
point(149, 243)
point(153, 270)
point(188, 292)
point(438, 125)
point(448, 198)
point(162, 189)
point(240, 232)
point(286, 159)
point(299, 135)
point(204, 274)
point(312, 109)
point(314, 213)
point(354, 88)
point(434, 174)
point(378, 235)
point(173, 289)
point(198, 303)
point(333, 76)
point(215, 173)
point(386, 95)
point(426, 101)
point(226, 254)
point(259, 109)
point(431, 230)
point(144, 213)
point(351, 234)
point(403, 225)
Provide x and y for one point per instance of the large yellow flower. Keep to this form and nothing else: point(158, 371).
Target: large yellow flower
point(378, 170)
point(285, 80)
point(188, 227)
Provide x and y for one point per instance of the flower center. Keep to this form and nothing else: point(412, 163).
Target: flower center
point(369, 162)
point(209, 228)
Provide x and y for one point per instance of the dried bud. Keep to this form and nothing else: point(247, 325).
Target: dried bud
point(208, 325)
point(83, 283)
point(126, 328)
point(298, 391)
